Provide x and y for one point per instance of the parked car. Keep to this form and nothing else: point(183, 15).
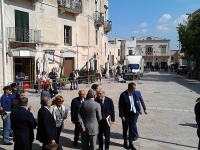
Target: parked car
point(182, 69)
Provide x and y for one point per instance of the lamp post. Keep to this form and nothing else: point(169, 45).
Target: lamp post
point(89, 17)
point(5, 81)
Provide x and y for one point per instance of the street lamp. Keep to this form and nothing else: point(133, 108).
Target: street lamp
point(89, 17)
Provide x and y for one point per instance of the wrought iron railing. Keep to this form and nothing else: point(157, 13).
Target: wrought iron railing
point(108, 24)
point(74, 5)
point(24, 35)
point(148, 53)
point(99, 17)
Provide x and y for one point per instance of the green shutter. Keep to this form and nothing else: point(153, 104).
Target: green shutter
point(21, 26)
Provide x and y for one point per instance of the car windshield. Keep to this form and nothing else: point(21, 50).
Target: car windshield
point(133, 66)
point(182, 67)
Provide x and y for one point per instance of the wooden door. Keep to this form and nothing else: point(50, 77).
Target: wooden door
point(68, 66)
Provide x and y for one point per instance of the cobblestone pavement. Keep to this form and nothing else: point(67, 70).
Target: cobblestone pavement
point(170, 122)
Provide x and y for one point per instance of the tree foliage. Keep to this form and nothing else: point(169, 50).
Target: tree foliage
point(189, 38)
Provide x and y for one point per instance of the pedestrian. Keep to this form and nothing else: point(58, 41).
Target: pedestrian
point(74, 114)
point(197, 113)
point(23, 123)
point(36, 86)
point(43, 76)
point(20, 78)
point(6, 105)
point(71, 79)
point(45, 92)
point(95, 87)
point(76, 79)
point(46, 131)
point(89, 115)
point(52, 92)
point(59, 113)
point(129, 110)
point(108, 117)
point(14, 90)
point(53, 75)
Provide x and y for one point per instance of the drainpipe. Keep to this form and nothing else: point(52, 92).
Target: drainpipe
point(3, 44)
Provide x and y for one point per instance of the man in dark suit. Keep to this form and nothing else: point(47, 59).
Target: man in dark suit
point(107, 110)
point(46, 131)
point(197, 113)
point(74, 114)
point(89, 115)
point(71, 79)
point(23, 123)
point(129, 110)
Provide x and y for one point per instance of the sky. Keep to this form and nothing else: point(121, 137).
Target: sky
point(157, 18)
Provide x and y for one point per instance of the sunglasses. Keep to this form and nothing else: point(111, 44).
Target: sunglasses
point(60, 101)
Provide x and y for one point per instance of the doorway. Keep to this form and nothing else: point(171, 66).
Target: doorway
point(26, 65)
point(68, 65)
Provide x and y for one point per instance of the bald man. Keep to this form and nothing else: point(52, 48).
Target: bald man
point(74, 113)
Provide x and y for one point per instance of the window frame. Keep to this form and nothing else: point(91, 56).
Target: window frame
point(69, 38)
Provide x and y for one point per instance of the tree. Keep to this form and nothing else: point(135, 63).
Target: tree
point(189, 38)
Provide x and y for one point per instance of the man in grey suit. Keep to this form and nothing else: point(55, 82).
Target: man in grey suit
point(88, 117)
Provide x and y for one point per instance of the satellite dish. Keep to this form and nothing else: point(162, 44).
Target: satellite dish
point(10, 53)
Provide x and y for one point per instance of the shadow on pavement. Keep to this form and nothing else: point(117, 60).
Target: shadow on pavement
point(68, 131)
point(66, 142)
point(189, 125)
point(168, 142)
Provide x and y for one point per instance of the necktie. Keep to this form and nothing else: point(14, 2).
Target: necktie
point(102, 110)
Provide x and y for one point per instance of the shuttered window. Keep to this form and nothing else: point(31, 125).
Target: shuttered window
point(22, 26)
point(68, 35)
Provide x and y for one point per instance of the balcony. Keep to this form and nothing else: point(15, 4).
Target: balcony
point(71, 6)
point(98, 19)
point(107, 26)
point(148, 53)
point(24, 35)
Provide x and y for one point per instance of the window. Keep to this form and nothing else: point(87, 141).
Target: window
point(172, 58)
point(21, 26)
point(50, 55)
point(119, 52)
point(149, 38)
point(105, 49)
point(130, 52)
point(163, 49)
point(96, 35)
point(149, 51)
point(68, 35)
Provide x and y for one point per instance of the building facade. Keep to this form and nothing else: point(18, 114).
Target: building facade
point(42, 34)
point(155, 51)
point(120, 48)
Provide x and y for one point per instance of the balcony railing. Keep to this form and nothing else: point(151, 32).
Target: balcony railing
point(148, 53)
point(72, 6)
point(107, 26)
point(98, 18)
point(16, 34)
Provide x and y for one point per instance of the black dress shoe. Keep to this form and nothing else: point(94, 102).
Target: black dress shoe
point(131, 147)
point(9, 143)
point(75, 143)
point(125, 145)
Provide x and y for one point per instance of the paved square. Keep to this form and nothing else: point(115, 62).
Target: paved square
point(170, 122)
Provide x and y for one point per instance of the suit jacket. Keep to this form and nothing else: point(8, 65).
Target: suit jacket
point(15, 104)
point(46, 131)
point(88, 116)
point(125, 105)
point(197, 113)
point(74, 108)
point(22, 123)
point(108, 108)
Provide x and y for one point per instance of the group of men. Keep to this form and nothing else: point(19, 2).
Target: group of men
point(95, 113)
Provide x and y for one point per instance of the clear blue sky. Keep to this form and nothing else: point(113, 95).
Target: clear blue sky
point(149, 17)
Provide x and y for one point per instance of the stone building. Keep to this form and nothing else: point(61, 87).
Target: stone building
point(42, 34)
point(155, 51)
